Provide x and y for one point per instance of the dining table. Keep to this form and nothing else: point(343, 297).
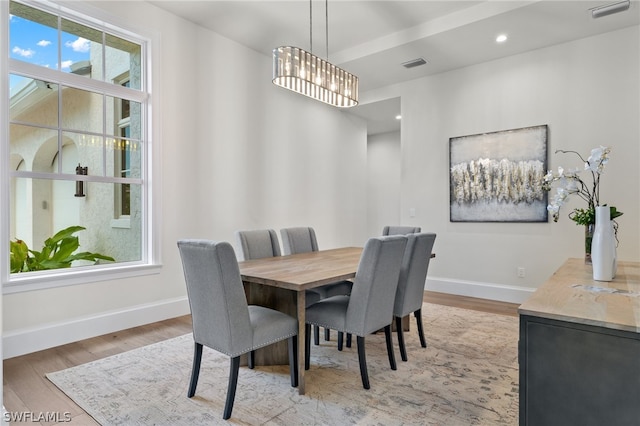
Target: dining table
point(281, 283)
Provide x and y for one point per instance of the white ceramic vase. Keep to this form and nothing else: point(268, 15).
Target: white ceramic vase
point(603, 247)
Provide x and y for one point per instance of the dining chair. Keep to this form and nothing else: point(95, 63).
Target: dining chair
point(303, 240)
point(387, 230)
point(411, 282)
point(400, 230)
point(222, 319)
point(261, 243)
point(258, 243)
point(370, 306)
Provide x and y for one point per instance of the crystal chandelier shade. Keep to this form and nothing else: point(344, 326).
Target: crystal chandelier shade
point(307, 74)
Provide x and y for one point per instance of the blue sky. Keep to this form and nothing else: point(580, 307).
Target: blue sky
point(38, 44)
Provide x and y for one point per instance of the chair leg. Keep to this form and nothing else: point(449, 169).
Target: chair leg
point(340, 340)
point(389, 340)
point(293, 360)
point(418, 315)
point(251, 360)
point(327, 334)
point(316, 335)
point(348, 340)
point(231, 389)
point(400, 333)
point(307, 346)
point(195, 369)
point(362, 358)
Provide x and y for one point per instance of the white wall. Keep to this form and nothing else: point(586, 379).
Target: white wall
point(269, 158)
point(234, 152)
point(383, 181)
point(587, 91)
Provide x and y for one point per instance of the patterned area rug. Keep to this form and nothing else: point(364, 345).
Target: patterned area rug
point(467, 375)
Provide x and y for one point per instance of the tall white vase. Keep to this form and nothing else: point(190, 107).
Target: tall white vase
point(603, 247)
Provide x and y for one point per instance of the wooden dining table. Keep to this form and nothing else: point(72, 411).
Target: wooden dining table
point(281, 282)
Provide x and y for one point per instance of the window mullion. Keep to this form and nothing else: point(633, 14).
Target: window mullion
point(60, 130)
point(73, 177)
point(63, 78)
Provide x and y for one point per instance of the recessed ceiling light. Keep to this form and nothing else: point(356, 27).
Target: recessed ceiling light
point(398, 117)
point(501, 38)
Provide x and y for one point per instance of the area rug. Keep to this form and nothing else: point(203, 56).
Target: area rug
point(467, 375)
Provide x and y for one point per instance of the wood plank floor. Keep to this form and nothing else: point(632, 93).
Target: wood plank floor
point(27, 390)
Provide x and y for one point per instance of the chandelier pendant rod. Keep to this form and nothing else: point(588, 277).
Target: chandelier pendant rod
point(310, 26)
point(326, 27)
point(326, 24)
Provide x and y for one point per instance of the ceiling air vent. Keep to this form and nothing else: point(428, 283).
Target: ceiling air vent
point(414, 63)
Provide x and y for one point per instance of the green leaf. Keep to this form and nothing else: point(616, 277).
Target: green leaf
point(588, 216)
point(19, 254)
point(56, 253)
point(66, 247)
point(65, 233)
point(614, 212)
point(53, 264)
point(583, 216)
point(91, 256)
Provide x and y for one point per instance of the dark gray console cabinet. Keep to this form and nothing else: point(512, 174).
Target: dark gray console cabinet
point(574, 374)
point(579, 350)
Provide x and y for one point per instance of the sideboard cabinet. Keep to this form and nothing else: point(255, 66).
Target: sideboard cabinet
point(579, 349)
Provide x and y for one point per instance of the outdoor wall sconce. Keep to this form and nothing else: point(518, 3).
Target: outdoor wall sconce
point(80, 184)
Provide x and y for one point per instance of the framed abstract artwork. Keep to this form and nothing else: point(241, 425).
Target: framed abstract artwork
point(498, 176)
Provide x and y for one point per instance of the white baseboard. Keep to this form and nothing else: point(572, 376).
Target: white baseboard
point(21, 342)
point(499, 292)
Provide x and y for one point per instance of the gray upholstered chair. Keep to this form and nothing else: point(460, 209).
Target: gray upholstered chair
point(221, 318)
point(300, 239)
point(370, 305)
point(400, 230)
point(410, 293)
point(260, 243)
point(387, 230)
point(303, 240)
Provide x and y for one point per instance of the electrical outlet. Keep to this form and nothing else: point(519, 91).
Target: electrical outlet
point(520, 272)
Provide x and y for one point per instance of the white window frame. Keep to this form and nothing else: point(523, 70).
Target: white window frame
point(150, 262)
point(120, 220)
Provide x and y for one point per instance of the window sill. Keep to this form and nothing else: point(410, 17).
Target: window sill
point(123, 222)
point(31, 281)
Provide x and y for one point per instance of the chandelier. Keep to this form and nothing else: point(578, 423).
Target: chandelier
point(309, 75)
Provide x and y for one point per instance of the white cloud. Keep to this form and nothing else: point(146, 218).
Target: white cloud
point(25, 53)
point(44, 43)
point(79, 45)
point(66, 64)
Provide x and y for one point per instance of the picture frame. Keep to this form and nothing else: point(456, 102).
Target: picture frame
point(498, 176)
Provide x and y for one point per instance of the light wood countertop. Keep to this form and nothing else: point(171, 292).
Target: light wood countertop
point(303, 271)
point(572, 295)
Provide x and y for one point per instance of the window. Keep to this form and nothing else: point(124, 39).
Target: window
point(77, 140)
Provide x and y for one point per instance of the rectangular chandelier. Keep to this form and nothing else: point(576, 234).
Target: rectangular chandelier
point(307, 74)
